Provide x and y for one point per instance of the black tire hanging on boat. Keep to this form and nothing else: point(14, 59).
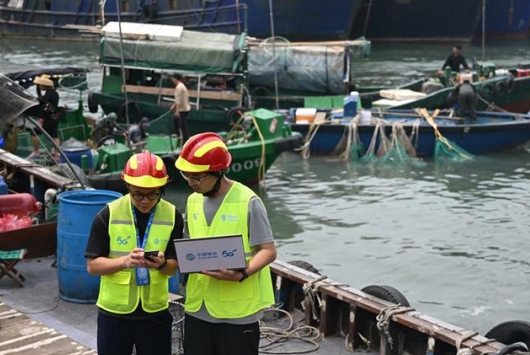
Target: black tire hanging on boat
point(387, 293)
point(149, 11)
point(500, 88)
point(304, 265)
point(234, 114)
point(511, 332)
point(134, 113)
point(509, 84)
point(92, 106)
point(487, 91)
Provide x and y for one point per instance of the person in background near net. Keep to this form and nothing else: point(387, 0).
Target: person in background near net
point(138, 132)
point(223, 308)
point(455, 60)
point(50, 119)
point(181, 108)
point(465, 95)
point(133, 296)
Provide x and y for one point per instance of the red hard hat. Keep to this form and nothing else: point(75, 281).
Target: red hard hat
point(204, 152)
point(145, 170)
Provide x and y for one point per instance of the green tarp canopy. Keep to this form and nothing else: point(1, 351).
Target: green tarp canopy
point(193, 51)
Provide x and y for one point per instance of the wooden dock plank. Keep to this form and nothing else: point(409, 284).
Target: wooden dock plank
point(22, 335)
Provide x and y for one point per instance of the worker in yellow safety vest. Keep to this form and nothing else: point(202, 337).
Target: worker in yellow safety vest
point(223, 307)
point(131, 247)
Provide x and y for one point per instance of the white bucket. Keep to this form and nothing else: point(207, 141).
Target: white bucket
point(366, 117)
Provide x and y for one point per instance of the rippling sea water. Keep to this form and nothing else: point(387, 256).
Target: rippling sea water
point(451, 238)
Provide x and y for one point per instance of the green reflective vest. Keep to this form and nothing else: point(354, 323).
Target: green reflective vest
point(226, 299)
point(118, 292)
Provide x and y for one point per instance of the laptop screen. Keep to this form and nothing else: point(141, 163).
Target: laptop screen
point(207, 254)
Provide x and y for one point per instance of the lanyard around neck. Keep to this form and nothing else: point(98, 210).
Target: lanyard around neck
point(147, 228)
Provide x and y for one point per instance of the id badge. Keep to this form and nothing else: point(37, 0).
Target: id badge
point(142, 276)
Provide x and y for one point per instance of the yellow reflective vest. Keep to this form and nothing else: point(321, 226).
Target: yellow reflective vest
point(119, 292)
point(226, 299)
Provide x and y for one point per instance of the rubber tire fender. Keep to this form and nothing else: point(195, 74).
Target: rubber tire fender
point(289, 287)
point(234, 114)
point(149, 11)
point(510, 81)
point(511, 332)
point(134, 112)
point(501, 88)
point(92, 106)
point(487, 91)
point(304, 265)
point(387, 293)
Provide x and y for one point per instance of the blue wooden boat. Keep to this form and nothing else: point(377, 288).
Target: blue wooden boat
point(294, 20)
point(490, 133)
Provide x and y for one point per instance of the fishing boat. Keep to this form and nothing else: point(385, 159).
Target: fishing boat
point(258, 139)
point(497, 89)
point(441, 21)
point(491, 132)
point(295, 20)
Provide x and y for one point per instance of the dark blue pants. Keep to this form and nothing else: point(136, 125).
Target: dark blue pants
point(204, 338)
point(150, 335)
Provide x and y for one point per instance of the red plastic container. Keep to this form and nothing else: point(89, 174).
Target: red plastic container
point(20, 204)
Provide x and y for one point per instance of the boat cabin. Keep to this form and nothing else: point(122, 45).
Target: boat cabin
point(138, 69)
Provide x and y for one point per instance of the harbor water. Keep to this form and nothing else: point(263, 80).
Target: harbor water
point(451, 238)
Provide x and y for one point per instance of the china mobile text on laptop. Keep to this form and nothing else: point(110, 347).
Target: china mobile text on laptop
point(198, 254)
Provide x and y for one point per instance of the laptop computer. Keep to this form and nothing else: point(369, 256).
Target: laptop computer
point(198, 254)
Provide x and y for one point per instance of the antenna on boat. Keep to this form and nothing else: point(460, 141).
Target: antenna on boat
point(277, 99)
point(483, 30)
point(123, 78)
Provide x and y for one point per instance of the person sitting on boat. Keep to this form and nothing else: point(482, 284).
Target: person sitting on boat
point(465, 95)
point(455, 60)
point(138, 132)
point(104, 128)
point(49, 121)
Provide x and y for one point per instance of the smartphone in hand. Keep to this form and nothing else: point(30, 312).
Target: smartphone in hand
point(148, 255)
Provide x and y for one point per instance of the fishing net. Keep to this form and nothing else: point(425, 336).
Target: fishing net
point(350, 146)
point(15, 100)
point(401, 149)
point(444, 149)
point(379, 144)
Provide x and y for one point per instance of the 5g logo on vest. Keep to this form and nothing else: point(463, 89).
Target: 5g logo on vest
point(229, 254)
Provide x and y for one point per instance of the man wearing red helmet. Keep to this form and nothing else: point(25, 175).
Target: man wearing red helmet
point(133, 295)
point(223, 307)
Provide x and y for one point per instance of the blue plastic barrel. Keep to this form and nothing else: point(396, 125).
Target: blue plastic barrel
point(77, 210)
point(3, 187)
point(75, 157)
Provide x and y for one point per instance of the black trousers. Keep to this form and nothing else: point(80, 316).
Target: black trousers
point(150, 335)
point(204, 338)
point(181, 124)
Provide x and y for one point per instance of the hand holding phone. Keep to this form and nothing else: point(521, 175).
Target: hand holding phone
point(148, 255)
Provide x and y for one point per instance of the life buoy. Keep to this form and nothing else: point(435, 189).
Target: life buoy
point(387, 293)
point(500, 88)
point(92, 106)
point(134, 113)
point(487, 91)
point(509, 84)
point(511, 332)
point(149, 11)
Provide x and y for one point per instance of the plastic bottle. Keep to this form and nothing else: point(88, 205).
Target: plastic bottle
point(350, 104)
point(20, 204)
point(3, 186)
